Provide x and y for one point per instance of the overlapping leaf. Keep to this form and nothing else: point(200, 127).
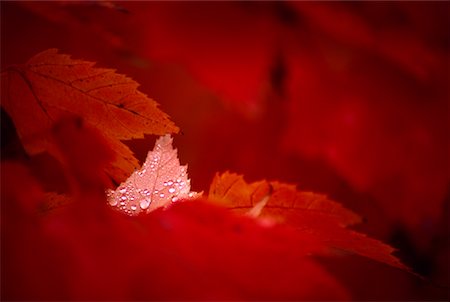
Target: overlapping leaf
point(308, 212)
point(52, 85)
point(194, 251)
point(160, 182)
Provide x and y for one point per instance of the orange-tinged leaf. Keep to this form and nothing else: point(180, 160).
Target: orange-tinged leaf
point(284, 203)
point(286, 196)
point(160, 182)
point(308, 212)
point(52, 85)
point(233, 190)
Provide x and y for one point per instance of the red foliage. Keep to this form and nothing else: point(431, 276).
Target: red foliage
point(193, 251)
point(307, 212)
point(51, 86)
point(346, 99)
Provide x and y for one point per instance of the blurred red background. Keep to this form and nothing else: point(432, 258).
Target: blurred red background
point(348, 99)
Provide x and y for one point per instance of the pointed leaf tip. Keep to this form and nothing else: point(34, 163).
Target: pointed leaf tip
point(307, 212)
point(160, 182)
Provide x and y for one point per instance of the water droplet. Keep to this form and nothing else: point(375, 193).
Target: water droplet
point(172, 190)
point(133, 207)
point(122, 203)
point(123, 190)
point(144, 203)
point(123, 197)
point(191, 194)
point(165, 184)
point(161, 195)
point(174, 199)
point(155, 192)
point(169, 183)
point(131, 198)
point(113, 202)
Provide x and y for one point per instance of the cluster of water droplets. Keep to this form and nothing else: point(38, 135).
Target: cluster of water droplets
point(160, 182)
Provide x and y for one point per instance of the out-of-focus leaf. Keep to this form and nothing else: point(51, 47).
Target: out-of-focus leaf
point(53, 200)
point(369, 96)
point(192, 251)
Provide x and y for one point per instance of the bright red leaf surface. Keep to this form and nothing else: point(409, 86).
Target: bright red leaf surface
point(193, 251)
point(346, 99)
point(96, 253)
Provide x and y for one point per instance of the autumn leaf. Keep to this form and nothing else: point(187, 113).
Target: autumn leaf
point(16, 177)
point(51, 86)
point(84, 154)
point(307, 212)
point(232, 189)
point(83, 151)
point(160, 182)
point(376, 136)
point(192, 251)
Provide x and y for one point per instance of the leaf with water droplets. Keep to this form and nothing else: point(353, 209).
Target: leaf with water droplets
point(160, 182)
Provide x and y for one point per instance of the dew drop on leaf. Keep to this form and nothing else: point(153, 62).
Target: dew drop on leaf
point(144, 204)
point(134, 195)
